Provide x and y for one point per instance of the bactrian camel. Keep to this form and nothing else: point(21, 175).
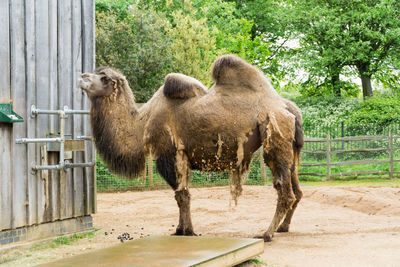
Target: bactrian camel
point(187, 127)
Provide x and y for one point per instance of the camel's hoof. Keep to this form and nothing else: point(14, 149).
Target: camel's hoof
point(283, 229)
point(266, 237)
point(185, 233)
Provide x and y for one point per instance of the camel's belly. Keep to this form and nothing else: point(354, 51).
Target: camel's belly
point(220, 154)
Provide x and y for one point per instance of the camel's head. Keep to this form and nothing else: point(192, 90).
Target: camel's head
point(102, 83)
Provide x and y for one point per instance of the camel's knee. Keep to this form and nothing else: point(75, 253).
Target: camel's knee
point(286, 199)
point(182, 197)
point(299, 195)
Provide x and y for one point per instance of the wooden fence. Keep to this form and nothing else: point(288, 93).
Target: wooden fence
point(328, 141)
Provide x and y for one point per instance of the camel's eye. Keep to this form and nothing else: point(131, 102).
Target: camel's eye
point(105, 79)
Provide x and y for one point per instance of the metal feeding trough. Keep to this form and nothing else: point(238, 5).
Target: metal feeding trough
point(7, 114)
point(170, 251)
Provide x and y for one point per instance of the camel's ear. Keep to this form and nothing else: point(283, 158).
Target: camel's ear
point(179, 86)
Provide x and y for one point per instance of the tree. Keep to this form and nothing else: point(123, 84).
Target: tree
point(338, 33)
point(193, 45)
point(135, 44)
point(233, 32)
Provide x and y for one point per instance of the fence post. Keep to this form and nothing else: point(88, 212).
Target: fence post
point(262, 167)
point(390, 154)
point(150, 169)
point(328, 156)
point(342, 134)
point(144, 172)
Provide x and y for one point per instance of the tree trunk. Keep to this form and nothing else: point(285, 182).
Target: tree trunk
point(365, 80)
point(367, 86)
point(336, 85)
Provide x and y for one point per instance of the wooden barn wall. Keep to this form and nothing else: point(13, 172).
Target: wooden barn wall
point(46, 44)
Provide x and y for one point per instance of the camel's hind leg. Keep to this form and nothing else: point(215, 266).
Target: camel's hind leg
point(284, 227)
point(286, 198)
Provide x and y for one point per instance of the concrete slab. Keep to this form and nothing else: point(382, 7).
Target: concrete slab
point(170, 251)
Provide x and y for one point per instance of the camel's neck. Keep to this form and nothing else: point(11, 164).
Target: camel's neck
point(118, 133)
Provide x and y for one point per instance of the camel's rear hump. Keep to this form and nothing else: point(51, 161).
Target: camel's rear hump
point(232, 72)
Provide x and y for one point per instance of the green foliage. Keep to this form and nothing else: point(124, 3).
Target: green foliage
point(137, 46)
point(378, 110)
point(119, 7)
point(334, 34)
point(311, 88)
point(193, 45)
point(326, 110)
point(234, 33)
point(361, 117)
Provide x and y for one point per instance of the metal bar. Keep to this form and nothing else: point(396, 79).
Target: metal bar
point(62, 166)
point(62, 135)
point(79, 165)
point(37, 140)
point(77, 111)
point(48, 167)
point(84, 137)
point(35, 111)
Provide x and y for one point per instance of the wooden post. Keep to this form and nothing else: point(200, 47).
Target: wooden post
point(262, 167)
point(144, 171)
point(390, 154)
point(150, 169)
point(328, 156)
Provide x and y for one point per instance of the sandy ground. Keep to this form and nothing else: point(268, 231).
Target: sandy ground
point(333, 226)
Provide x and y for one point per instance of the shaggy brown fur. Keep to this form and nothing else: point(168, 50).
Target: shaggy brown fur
point(186, 127)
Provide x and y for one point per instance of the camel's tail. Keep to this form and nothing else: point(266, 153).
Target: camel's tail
point(298, 140)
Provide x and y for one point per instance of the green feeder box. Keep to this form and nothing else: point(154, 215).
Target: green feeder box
point(8, 115)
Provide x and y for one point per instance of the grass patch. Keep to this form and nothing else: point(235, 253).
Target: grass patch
point(63, 240)
point(374, 182)
point(68, 240)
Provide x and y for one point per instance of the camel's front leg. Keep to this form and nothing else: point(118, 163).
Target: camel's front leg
point(185, 222)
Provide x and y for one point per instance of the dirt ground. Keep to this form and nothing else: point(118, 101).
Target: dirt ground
point(333, 226)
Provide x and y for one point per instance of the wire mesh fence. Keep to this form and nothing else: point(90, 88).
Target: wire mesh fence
point(151, 179)
point(376, 152)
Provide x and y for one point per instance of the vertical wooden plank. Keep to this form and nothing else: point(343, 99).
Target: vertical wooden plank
point(43, 93)
point(150, 169)
point(328, 156)
point(18, 86)
point(5, 177)
point(64, 88)
point(53, 105)
point(77, 103)
point(88, 64)
point(4, 52)
point(391, 154)
point(5, 129)
point(30, 57)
